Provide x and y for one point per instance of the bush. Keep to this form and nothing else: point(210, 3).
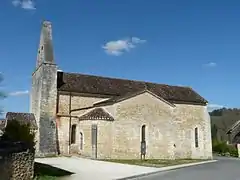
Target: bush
point(233, 151)
point(220, 147)
point(223, 148)
point(16, 132)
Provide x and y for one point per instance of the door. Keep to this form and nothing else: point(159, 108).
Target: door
point(94, 141)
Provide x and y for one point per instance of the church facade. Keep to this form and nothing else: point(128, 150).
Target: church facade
point(101, 117)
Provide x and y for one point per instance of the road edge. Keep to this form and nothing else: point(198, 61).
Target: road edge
point(168, 168)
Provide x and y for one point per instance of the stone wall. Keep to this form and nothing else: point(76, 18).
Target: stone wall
point(16, 162)
point(169, 129)
point(83, 127)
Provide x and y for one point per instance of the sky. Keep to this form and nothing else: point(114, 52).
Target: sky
point(185, 43)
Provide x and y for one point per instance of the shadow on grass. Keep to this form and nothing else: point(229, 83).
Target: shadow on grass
point(47, 170)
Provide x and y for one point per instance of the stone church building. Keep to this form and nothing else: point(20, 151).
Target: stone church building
point(102, 117)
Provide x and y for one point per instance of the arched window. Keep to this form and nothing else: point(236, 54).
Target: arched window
point(196, 137)
point(143, 133)
point(73, 134)
point(81, 140)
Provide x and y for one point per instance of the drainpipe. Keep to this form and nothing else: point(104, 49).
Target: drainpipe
point(70, 122)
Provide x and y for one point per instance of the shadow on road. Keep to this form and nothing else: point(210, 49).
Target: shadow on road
point(47, 170)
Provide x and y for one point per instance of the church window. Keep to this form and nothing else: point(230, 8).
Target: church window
point(196, 137)
point(42, 48)
point(73, 134)
point(143, 133)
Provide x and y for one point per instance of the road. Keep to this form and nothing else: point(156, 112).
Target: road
point(223, 169)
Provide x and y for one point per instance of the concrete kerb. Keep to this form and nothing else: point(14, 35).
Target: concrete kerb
point(168, 168)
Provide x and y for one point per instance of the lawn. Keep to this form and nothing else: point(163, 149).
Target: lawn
point(47, 172)
point(153, 162)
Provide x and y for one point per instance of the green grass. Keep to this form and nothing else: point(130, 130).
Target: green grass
point(153, 162)
point(47, 172)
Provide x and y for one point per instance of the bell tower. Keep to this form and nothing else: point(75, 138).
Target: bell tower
point(44, 94)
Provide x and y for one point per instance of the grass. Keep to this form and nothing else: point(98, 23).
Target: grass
point(153, 162)
point(47, 172)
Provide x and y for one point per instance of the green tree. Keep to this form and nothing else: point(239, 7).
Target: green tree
point(2, 94)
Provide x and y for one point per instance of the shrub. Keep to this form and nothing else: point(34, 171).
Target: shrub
point(233, 150)
point(223, 148)
point(17, 132)
point(220, 147)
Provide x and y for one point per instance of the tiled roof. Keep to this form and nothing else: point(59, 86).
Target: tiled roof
point(23, 118)
point(97, 114)
point(80, 83)
point(234, 126)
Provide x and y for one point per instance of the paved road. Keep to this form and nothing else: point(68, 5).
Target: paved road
point(224, 169)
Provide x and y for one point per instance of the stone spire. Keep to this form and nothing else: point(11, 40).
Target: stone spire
point(44, 94)
point(45, 50)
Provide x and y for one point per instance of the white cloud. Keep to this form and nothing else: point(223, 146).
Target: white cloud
point(212, 107)
point(118, 47)
point(16, 3)
point(210, 64)
point(25, 4)
point(19, 93)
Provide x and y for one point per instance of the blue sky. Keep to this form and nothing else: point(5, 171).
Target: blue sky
point(190, 43)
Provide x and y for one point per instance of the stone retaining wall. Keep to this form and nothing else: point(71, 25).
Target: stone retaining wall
point(16, 162)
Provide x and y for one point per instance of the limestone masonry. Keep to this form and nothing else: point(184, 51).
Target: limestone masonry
point(102, 117)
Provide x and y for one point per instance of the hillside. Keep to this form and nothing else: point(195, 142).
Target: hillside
point(222, 120)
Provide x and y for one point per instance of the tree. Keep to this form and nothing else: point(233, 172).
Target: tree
point(2, 94)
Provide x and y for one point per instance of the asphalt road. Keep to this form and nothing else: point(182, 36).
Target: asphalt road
point(223, 169)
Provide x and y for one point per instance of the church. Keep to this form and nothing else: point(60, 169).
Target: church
point(102, 117)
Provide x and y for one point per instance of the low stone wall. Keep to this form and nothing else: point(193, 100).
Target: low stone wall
point(16, 162)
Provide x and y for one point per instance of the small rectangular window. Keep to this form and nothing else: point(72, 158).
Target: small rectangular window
point(196, 137)
point(73, 134)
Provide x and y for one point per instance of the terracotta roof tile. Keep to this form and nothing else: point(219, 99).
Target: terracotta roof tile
point(97, 114)
point(81, 83)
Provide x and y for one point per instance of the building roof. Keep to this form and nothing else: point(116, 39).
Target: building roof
point(22, 118)
point(234, 127)
point(2, 124)
point(90, 84)
point(97, 114)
